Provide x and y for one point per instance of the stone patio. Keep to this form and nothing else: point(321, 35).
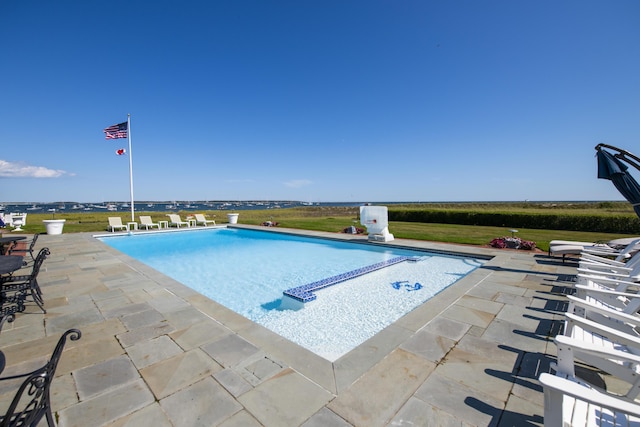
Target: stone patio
point(154, 352)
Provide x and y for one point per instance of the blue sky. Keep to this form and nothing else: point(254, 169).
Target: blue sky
point(317, 100)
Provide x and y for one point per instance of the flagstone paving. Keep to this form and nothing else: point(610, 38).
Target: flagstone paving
point(154, 352)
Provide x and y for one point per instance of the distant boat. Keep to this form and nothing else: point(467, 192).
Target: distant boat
point(34, 208)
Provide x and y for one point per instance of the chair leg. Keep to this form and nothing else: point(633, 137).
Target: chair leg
point(36, 294)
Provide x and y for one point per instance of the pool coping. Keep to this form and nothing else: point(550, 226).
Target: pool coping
point(340, 374)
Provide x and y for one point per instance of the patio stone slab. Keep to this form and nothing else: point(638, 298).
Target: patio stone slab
point(470, 368)
point(170, 375)
point(154, 350)
point(448, 328)
point(241, 419)
point(89, 353)
point(186, 407)
point(514, 335)
point(128, 309)
point(325, 418)
point(468, 315)
point(144, 333)
point(480, 304)
point(419, 413)
point(94, 412)
point(199, 333)
point(288, 399)
point(78, 319)
point(151, 415)
point(143, 318)
point(104, 376)
point(63, 392)
point(185, 317)
point(229, 349)
point(377, 396)
point(460, 402)
point(233, 382)
point(429, 346)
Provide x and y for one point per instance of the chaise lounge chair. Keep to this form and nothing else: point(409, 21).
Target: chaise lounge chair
point(200, 219)
point(176, 221)
point(146, 222)
point(116, 222)
point(618, 248)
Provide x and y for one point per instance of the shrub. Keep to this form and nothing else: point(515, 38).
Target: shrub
point(513, 243)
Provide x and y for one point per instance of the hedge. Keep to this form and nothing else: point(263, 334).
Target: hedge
point(623, 224)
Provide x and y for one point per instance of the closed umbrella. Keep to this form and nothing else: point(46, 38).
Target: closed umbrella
point(613, 168)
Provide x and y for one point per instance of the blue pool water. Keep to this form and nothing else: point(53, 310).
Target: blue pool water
point(247, 271)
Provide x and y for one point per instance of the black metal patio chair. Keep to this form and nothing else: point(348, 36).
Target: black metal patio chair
point(13, 289)
point(15, 250)
point(32, 401)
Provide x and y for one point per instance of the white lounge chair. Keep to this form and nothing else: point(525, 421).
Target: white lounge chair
point(200, 219)
point(116, 222)
point(587, 260)
point(603, 338)
point(176, 221)
point(618, 249)
point(568, 403)
point(628, 257)
point(147, 222)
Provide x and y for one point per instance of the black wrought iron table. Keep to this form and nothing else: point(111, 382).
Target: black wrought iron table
point(10, 263)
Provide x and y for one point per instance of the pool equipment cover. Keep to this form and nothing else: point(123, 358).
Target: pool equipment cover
point(376, 219)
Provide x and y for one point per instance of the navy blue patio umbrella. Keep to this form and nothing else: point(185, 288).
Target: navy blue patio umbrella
point(612, 167)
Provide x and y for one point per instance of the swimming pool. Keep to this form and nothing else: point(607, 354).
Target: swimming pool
point(248, 271)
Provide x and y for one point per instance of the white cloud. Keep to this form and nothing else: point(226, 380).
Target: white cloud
point(298, 183)
point(21, 170)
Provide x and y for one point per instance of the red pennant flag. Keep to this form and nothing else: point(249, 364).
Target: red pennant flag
point(121, 151)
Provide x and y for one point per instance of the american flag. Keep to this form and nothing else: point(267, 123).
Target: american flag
point(116, 131)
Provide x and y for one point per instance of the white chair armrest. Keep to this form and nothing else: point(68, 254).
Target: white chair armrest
point(570, 388)
point(614, 314)
point(606, 281)
point(602, 260)
point(590, 290)
point(594, 266)
point(607, 332)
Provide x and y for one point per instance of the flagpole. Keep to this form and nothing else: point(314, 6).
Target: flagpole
point(133, 218)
